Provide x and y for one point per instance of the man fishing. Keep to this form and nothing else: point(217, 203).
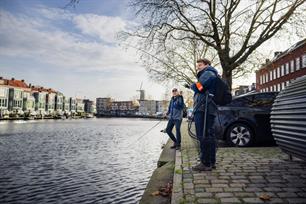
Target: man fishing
point(203, 103)
point(175, 114)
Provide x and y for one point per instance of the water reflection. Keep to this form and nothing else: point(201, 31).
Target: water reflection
point(77, 161)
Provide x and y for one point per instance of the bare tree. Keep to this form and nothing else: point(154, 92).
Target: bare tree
point(234, 29)
point(177, 61)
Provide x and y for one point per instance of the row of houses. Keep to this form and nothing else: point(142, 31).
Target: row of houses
point(110, 107)
point(285, 67)
point(17, 98)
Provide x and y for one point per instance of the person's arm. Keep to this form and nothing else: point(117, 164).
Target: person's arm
point(204, 83)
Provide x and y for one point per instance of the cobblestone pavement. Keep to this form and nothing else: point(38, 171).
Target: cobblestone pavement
point(243, 175)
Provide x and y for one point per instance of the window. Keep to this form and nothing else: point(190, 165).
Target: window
point(260, 79)
point(245, 101)
point(274, 74)
point(304, 61)
point(297, 63)
point(278, 87)
point(267, 77)
point(3, 92)
point(283, 70)
point(287, 68)
point(292, 65)
point(264, 100)
point(263, 79)
point(274, 88)
point(271, 75)
point(283, 85)
point(278, 72)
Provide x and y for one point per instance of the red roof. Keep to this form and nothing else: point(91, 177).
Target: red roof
point(42, 89)
point(17, 83)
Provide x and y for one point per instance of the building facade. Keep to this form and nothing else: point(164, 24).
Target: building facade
point(50, 102)
point(285, 67)
point(40, 96)
point(147, 107)
point(103, 106)
point(16, 96)
point(28, 102)
point(79, 106)
point(4, 97)
point(59, 103)
point(89, 106)
point(162, 106)
point(66, 106)
point(72, 106)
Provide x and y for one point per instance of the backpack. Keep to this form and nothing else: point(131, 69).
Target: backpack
point(222, 95)
point(184, 111)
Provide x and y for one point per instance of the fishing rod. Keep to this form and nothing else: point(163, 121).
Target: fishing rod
point(144, 134)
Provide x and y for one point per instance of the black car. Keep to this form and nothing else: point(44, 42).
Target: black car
point(246, 120)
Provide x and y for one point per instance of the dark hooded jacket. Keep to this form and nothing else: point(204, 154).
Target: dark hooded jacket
point(207, 79)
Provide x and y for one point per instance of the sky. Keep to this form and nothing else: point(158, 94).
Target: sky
point(74, 50)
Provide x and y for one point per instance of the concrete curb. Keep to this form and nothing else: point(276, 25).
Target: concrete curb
point(177, 190)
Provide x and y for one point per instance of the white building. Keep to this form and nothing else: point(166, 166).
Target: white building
point(147, 107)
point(59, 103)
point(40, 95)
point(50, 102)
point(28, 102)
point(162, 106)
point(4, 97)
point(79, 106)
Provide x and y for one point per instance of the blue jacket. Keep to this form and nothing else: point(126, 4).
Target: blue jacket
point(175, 109)
point(207, 79)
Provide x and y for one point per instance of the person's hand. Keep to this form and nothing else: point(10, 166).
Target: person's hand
point(187, 86)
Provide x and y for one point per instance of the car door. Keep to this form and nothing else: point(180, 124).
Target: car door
point(230, 113)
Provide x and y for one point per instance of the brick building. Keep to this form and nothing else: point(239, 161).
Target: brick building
point(285, 67)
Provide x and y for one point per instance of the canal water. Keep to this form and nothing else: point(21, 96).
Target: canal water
point(77, 161)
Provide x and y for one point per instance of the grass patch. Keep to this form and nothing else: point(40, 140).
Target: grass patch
point(178, 171)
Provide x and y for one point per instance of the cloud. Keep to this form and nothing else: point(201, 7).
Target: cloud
point(104, 27)
point(39, 37)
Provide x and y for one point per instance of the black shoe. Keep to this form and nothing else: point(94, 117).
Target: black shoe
point(201, 167)
point(214, 166)
point(173, 147)
point(178, 147)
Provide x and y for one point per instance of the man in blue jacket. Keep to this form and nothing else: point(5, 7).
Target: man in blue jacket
point(206, 77)
point(175, 114)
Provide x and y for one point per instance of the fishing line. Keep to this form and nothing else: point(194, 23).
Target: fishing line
point(144, 134)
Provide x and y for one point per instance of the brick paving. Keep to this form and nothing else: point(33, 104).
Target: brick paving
point(243, 175)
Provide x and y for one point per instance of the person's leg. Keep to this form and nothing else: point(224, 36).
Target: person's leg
point(199, 121)
point(210, 142)
point(169, 128)
point(178, 131)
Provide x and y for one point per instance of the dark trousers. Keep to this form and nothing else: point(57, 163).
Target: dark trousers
point(170, 125)
point(207, 141)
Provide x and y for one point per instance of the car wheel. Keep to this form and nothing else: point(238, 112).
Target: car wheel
point(239, 135)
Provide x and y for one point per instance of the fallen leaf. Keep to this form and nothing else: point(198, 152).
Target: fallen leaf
point(155, 193)
point(265, 197)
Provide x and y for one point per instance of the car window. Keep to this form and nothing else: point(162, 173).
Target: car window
point(264, 100)
point(245, 101)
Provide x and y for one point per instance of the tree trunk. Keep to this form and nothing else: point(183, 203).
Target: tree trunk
point(227, 76)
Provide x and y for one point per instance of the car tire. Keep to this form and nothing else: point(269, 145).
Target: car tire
point(239, 135)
